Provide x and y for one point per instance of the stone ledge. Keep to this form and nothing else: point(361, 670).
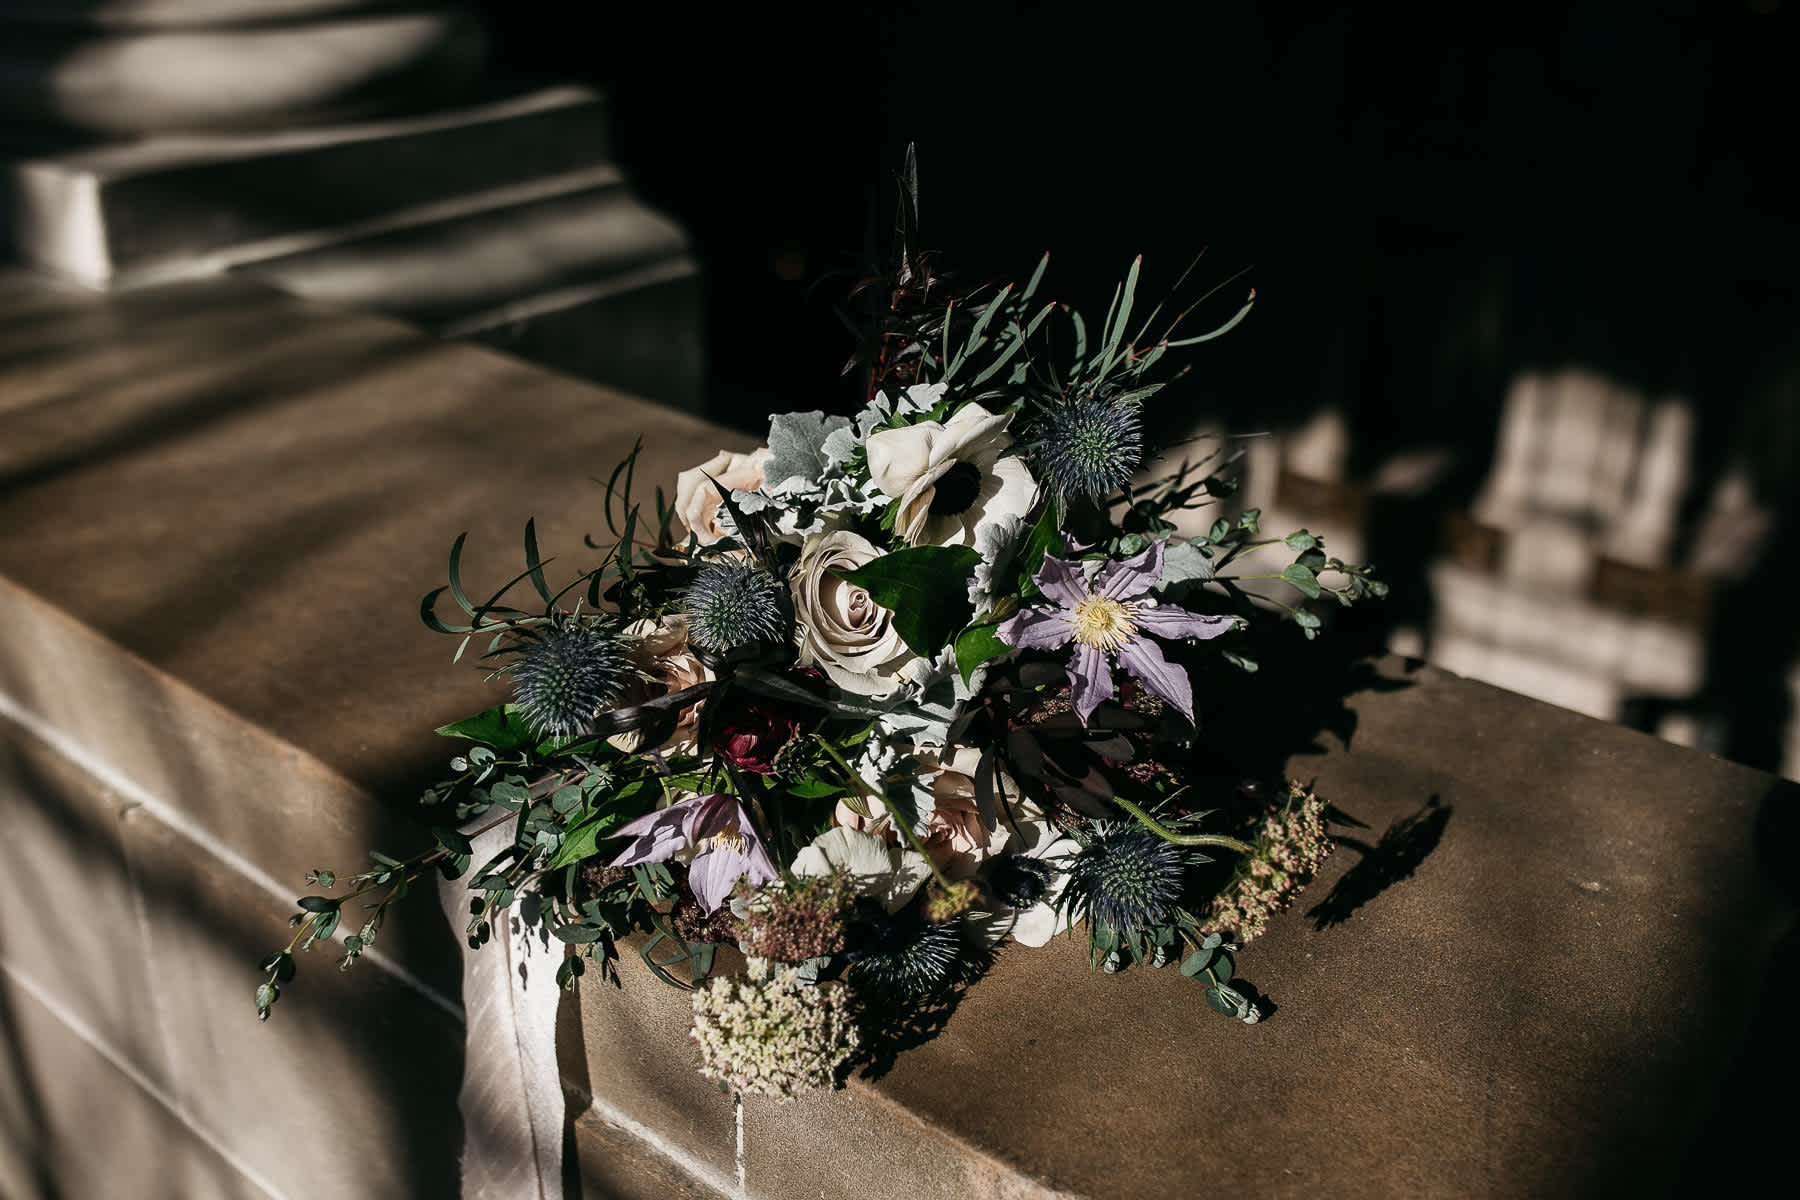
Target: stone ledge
point(217, 507)
point(1500, 1020)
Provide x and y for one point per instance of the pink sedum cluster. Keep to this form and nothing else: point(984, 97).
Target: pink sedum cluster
point(1290, 846)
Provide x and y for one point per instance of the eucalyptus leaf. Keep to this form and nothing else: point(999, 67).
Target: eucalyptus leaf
point(1304, 580)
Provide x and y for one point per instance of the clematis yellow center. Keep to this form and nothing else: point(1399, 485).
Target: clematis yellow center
point(729, 838)
point(1103, 623)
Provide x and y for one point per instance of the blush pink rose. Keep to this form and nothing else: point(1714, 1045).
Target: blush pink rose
point(697, 500)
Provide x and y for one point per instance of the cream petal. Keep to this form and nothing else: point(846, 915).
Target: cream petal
point(898, 457)
point(1039, 923)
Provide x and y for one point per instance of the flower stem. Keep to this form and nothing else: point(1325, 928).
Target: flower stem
point(1182, 839)
point(900, 822)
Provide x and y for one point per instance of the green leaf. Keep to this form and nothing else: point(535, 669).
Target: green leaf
point(534, 566)
point(1227, 327)
point(1303, 579)
point(510, 790)
point(455, 574)
point(582, 841)
point(324, 925)
point(428, 614)
point(578, 934)
point(926, 588)
point(318, 904)
point(814, 789)
point(976, 645)
point(1196, 962)
point(1301, 540)
point(1184, 563)
point(1045, 539)
point(451, 840)
point(1121, 314)
point(502, 728)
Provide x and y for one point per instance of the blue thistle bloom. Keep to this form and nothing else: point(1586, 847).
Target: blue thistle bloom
point(565, 674)
point(1125, 878)
point(900, 957)
point(733, 602)
point(1088, 447)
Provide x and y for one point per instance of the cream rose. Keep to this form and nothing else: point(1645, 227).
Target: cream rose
point(697, 500)
point(669, 665)
point(949, 477)
point(842, 630)
point(955, 837)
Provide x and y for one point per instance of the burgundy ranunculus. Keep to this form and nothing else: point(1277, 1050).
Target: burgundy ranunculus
point(750, 727)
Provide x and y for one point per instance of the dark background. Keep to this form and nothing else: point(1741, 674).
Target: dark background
point(1429, 203)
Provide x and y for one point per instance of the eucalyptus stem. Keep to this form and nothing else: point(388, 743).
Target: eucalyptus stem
point(900, 822)
point(1182, 839)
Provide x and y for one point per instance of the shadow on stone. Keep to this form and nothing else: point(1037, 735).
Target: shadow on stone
point(1252, 724)
point(1391, 860)
point(891, 1026)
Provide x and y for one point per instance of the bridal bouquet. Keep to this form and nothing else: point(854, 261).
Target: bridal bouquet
point(890, 694)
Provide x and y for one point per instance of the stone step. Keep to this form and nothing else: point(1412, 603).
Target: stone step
point(170, 207)
point(589, 281)
point(468, 271)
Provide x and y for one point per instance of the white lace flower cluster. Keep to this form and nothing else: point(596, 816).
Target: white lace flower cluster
point(765, 1033)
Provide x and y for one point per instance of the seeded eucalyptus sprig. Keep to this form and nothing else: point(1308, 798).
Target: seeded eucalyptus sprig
point(320, 916)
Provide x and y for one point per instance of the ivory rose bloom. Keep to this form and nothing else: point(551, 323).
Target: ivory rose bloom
point(956, 838)
point(842, 630)
point(949, 477)
point(697, 500)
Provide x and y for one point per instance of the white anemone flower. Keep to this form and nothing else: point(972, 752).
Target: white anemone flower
point(949, 477)
point(886, 873)
point(1050, 849)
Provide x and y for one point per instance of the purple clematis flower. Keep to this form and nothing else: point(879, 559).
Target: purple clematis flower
point(729, 846)
point(1109, 620)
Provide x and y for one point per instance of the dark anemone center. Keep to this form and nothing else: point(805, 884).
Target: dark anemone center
point(956, 490)
point(1020, 882)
